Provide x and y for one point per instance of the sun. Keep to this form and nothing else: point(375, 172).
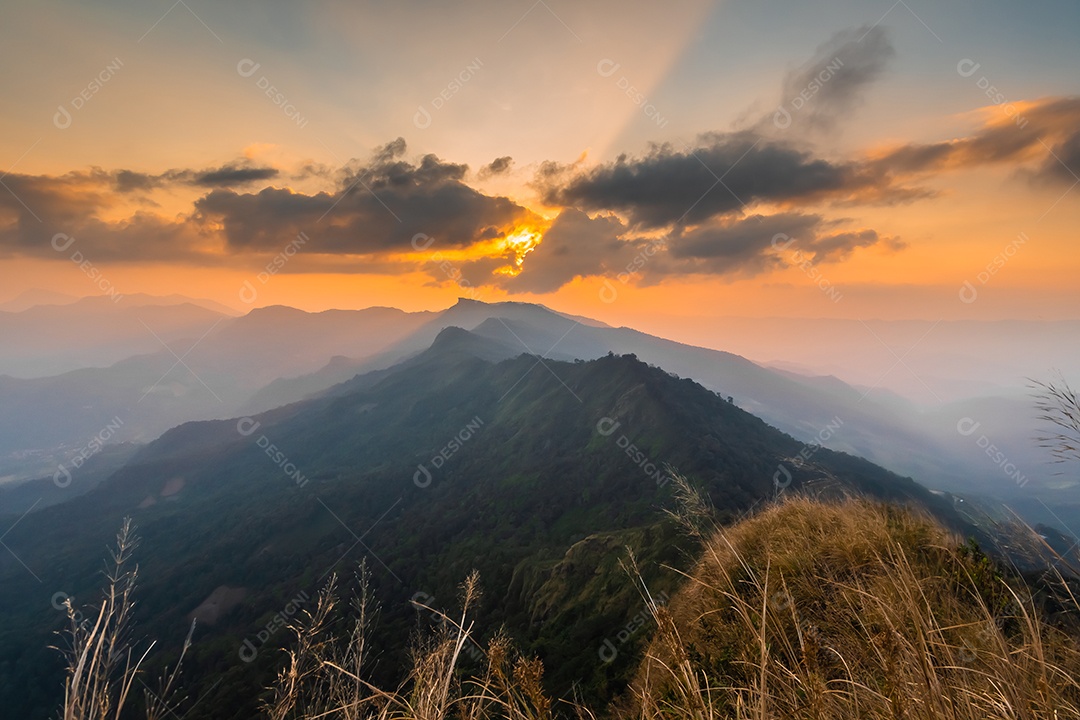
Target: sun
point(520, 243)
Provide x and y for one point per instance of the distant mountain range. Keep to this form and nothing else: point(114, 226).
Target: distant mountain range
point(200, 364)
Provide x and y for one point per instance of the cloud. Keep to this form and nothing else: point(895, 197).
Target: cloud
point(498, 166)
point(726, 173)
point(379, 207)
point(376, 208)
point(574, 246)
point(713, 208)
point(761, 243)
point(35, 209)
point(822, 91)
point(1038, 132)
point(745, 246)
point(1063, 164)
point(721, 202)
point(579, 246)
point(126, 181)
point(230, 175)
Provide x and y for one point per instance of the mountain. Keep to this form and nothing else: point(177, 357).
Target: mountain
point(538, 473)
point(942, 361)
point(66, 483)
point(211, 371)
point(467, 314)
point(275, 356)
point(36, 296)
point(892, 434)
point(276, 341)
point(96, 332)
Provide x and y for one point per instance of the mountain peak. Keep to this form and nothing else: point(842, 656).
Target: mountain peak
point(470, 306)
point(449, 334)
point(456, 340)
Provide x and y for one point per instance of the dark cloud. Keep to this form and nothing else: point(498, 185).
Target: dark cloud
point(231, 175)
point(820, 92)
point(574, 246)
point(724, 174)
point(469, 274)
point(497, 166)
point(28, 199)
point(760, 243)
point(1063, 164)
point(315, 170)
point(127, 181)
point(997, 144)
point(833, 248)
point(390, 151)
point(743, 245)
point(701, 195)
point(35, 209)
point(380, 207)
point(741, 238)
point(579, 246)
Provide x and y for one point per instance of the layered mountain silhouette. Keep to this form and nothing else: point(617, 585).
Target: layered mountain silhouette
point(276, 355)
point(537, 472)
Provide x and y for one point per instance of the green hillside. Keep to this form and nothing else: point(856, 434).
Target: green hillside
point(536, 473)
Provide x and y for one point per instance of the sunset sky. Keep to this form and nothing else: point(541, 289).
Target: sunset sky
point(653, 167)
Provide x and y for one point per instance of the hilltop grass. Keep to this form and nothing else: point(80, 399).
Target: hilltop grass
point(857, 609)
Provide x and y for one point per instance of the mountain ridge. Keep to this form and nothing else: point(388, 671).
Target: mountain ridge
point(526, 459)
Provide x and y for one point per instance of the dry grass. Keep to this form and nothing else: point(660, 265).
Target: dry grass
point(1059, 407)
point(853, 610)
point(807, 610)
point(324, 677)
point(102, 665)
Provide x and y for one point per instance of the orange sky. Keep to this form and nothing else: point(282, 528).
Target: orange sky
point(908, 180)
